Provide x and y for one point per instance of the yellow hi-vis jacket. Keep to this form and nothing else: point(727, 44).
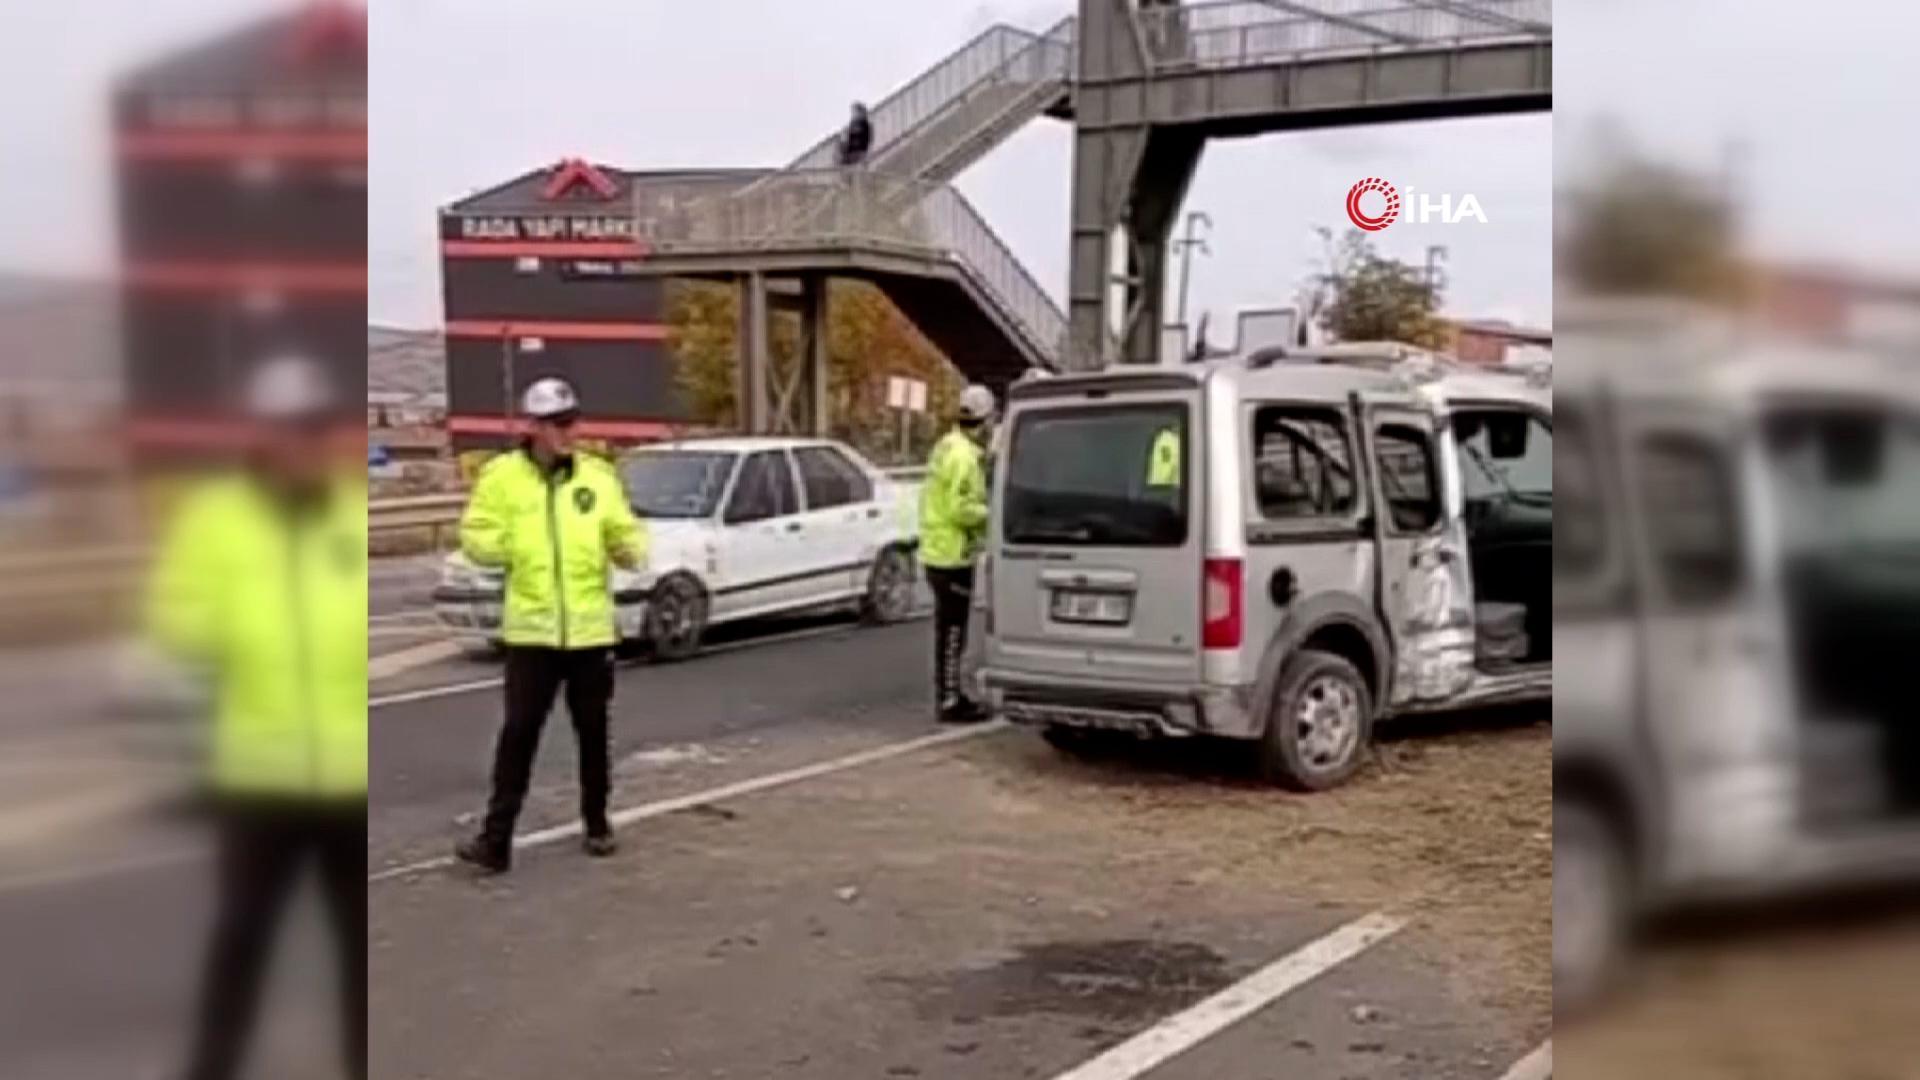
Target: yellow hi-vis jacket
point(1163, 460)
point(953, 503)
point(271, 604)
point(555, 536)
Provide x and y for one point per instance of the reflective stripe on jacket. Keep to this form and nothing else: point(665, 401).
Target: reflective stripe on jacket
point(271, 604)
point(953, 503)
point(555, 536)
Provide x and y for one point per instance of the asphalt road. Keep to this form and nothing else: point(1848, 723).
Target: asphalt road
point(815, 882)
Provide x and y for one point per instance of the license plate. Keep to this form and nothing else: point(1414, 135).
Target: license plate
point(1073, 605)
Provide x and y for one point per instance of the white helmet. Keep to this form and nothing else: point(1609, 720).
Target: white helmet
point(549, 397)
point(976, 403)
point(290, 387)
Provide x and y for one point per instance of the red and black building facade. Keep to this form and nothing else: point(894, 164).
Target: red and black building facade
point(540, 277)
point(241, 174)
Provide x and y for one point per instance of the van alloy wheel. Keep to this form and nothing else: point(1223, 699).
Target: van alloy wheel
point(1590, 906)
point(1328, 715)
point(1319, 723)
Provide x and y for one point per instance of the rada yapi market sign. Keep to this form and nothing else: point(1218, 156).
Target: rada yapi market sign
point(547, 227)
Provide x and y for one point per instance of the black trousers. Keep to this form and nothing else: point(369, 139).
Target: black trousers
point(534, 677)
point(952, 606)
point(261, 850)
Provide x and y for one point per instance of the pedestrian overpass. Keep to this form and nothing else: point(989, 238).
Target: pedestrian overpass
point(1146, 83)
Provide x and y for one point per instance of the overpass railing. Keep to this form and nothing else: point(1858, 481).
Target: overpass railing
point(1237, 33)
point(852, 208)
point(930, 92)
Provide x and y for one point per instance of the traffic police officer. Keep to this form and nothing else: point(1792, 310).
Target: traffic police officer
point(554, 520)
point(260, 585)
point(953, 525)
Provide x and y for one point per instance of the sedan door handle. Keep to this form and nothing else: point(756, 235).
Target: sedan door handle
point(793, 526)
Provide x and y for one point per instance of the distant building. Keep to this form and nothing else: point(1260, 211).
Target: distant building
point(1834, 302)
point(242, 183)
point(540, 279)
point(1495, 342)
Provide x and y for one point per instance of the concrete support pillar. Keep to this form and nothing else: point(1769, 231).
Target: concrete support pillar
point(755, 355)
point(815, 335)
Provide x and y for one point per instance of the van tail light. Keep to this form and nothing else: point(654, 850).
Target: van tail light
point(1223, 621)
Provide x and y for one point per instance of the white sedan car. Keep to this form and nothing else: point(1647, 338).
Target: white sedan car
point(739, 527)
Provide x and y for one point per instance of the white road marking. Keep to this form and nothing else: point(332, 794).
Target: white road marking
point(433, 692)
point(621, 818)
point(1535, 1066)
point(99, 799)
point(394, 663)
point(429, 693)
point(1185, 1030)
point(73, 875)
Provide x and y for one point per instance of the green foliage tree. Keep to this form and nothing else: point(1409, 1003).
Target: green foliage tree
point(1645, 228)
point(868, 340)
point(1366, 296)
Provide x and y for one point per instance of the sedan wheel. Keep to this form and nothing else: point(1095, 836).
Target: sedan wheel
point(889, 589)
point(676, 618)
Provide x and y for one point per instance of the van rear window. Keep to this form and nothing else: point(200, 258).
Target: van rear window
point(1106, 476)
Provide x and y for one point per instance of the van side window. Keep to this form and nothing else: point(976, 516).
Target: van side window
point(1408, 477)
point(1579, 529)
point(1302, 463)
point(1687, 487)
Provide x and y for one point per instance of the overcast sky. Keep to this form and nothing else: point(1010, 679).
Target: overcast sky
point(495, 86)
point(467, 92)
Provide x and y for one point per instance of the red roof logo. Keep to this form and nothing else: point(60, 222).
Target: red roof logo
point(573, 172)
point(328, 27)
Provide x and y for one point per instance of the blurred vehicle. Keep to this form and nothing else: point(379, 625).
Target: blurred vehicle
point(1737, 569)
point(1280, 547)
point(739, 527)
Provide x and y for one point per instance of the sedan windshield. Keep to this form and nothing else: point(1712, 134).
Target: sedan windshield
point(676, 483)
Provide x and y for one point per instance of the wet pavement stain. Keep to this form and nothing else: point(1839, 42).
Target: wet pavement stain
point(1104, 980)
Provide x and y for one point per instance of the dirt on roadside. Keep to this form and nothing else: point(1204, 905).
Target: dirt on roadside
point(1451, 825)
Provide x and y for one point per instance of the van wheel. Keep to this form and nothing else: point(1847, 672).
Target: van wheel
point(1590, 905)
point(1321, 725)
point(889, 596)
point(676, 617)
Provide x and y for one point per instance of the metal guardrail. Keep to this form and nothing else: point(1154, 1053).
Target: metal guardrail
point(1236, 33)
point(29, 582)
point(823, 208)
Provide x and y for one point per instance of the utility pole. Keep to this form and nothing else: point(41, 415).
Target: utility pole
point(1186, 244)
point(1436, 253)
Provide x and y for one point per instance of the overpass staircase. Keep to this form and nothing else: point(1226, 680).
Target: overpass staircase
point(1225, 67)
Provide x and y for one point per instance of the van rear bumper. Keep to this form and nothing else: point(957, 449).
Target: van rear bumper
point(1140, 708)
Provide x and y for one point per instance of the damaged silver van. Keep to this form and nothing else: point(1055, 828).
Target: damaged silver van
point(1737, 573)
point(1282, 547)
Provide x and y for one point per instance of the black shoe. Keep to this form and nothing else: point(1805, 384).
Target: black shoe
point(964, 711)
point(484, 855)
point(600, 844)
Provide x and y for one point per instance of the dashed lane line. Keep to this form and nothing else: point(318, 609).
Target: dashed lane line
point(622, 818)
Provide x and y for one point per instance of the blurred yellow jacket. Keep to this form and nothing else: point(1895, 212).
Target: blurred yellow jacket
point(953, 503)
point(271, 604)
point(556, 537)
